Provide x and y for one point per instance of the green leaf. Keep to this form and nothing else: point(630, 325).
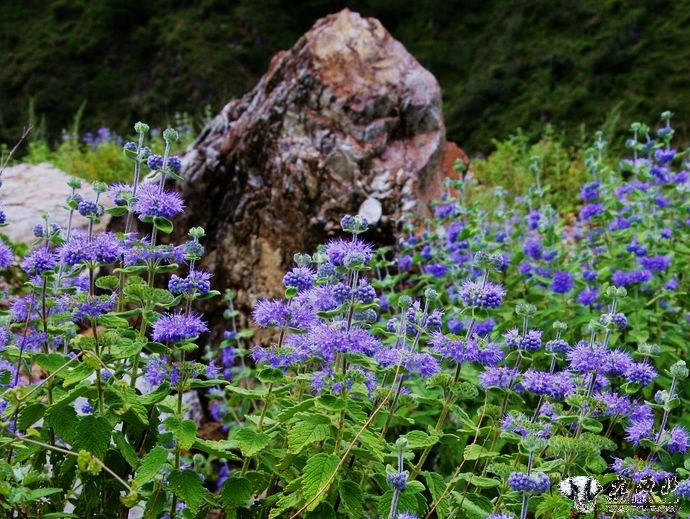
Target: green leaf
point(288, 413)
point(38, 493)
point(332, 402)
point(311, 429)
point(271, 375)
point(437, 487)
point(150, 465)
point(316, 475)
point(156, 396)
point(407, 502)
point(30, 415)
point(75, 375)
point(93, 435)
point(117, 211)
point(235, 492)
point(475, 451)
point(163, 224)
point(476, 506)
point(50, 361)
point(592, 424)
point(107, 282)
point(184, 431)
point(351, 499)
point(125, 449)
point(111, 321)
point(252, 442)
point(187, 486)
point(63, 420)
point(420, 439)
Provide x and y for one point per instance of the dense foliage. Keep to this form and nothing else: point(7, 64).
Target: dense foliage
point(501, 65)
point(462, 373)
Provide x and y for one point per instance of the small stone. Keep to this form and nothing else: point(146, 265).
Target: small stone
point(372, 210)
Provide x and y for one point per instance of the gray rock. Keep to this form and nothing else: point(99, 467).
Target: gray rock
point(30, 190)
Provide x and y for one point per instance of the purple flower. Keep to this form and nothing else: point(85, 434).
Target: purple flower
point(484, 327)
point(407, 515)
point(642, 373)
point(438, 270)
point(39, 261)
point(155, 162)
point(557, 346)
point(556, 385)
point(339, 249)
point(622, 278)
point(590, 191)
point(482, 295)
point(88, 208)
point(584, 357)
point(533, 249)
point(531, 341)
point(405, 263)
point(301, 278)
point(501, 515)
point(156, 371)
point(679, 440)
point(617, 362)
point(589, 211)
point(197, 282)
point(497, 377)
point(153, 202)
point(107, 247)
point(6, 255)
point(615, 404)
point(536, 482)
point(178, 327)
point(665, 155)
point(562, 282)
point(120, 193)
point(655, 263)
point(638, 430)
point(683, 489)
point(398, 480)
point(76, 250)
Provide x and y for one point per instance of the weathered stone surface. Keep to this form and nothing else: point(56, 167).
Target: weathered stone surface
point(29, 190)
point(346, 121)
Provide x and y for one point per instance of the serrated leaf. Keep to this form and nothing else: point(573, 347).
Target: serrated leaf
point(63, 420)
point(93, 435)
point(252, 442)
point(475, 451)
point(150, 465)
point(437, 487)
point(407, 502)
point(187, 485)
point(351, 499)
point(476, 506)
point(51, 361)
point(184, 431)
point(38, 493)
point(107, 282)
point(311, 429)
point(156, 396)
point(420, 439)
point(29, 415)
point(76, 375)
point(125, 449)
point(288, 413)
point(235, 492)
point(316, 475)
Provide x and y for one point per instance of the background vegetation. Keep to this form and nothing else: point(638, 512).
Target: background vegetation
point(501, 65)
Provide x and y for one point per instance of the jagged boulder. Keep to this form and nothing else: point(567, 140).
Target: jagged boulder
point(347, 121)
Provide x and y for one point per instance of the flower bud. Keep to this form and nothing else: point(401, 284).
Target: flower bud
point(405, 301)
point(679, 370)
point(430, 294)
point(170, 135)
point(649, 349)
point(302, 260)
point(140, 127)
point(560, 326)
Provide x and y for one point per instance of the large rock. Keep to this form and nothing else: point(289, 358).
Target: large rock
point(346, 121)
point(29, 190)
